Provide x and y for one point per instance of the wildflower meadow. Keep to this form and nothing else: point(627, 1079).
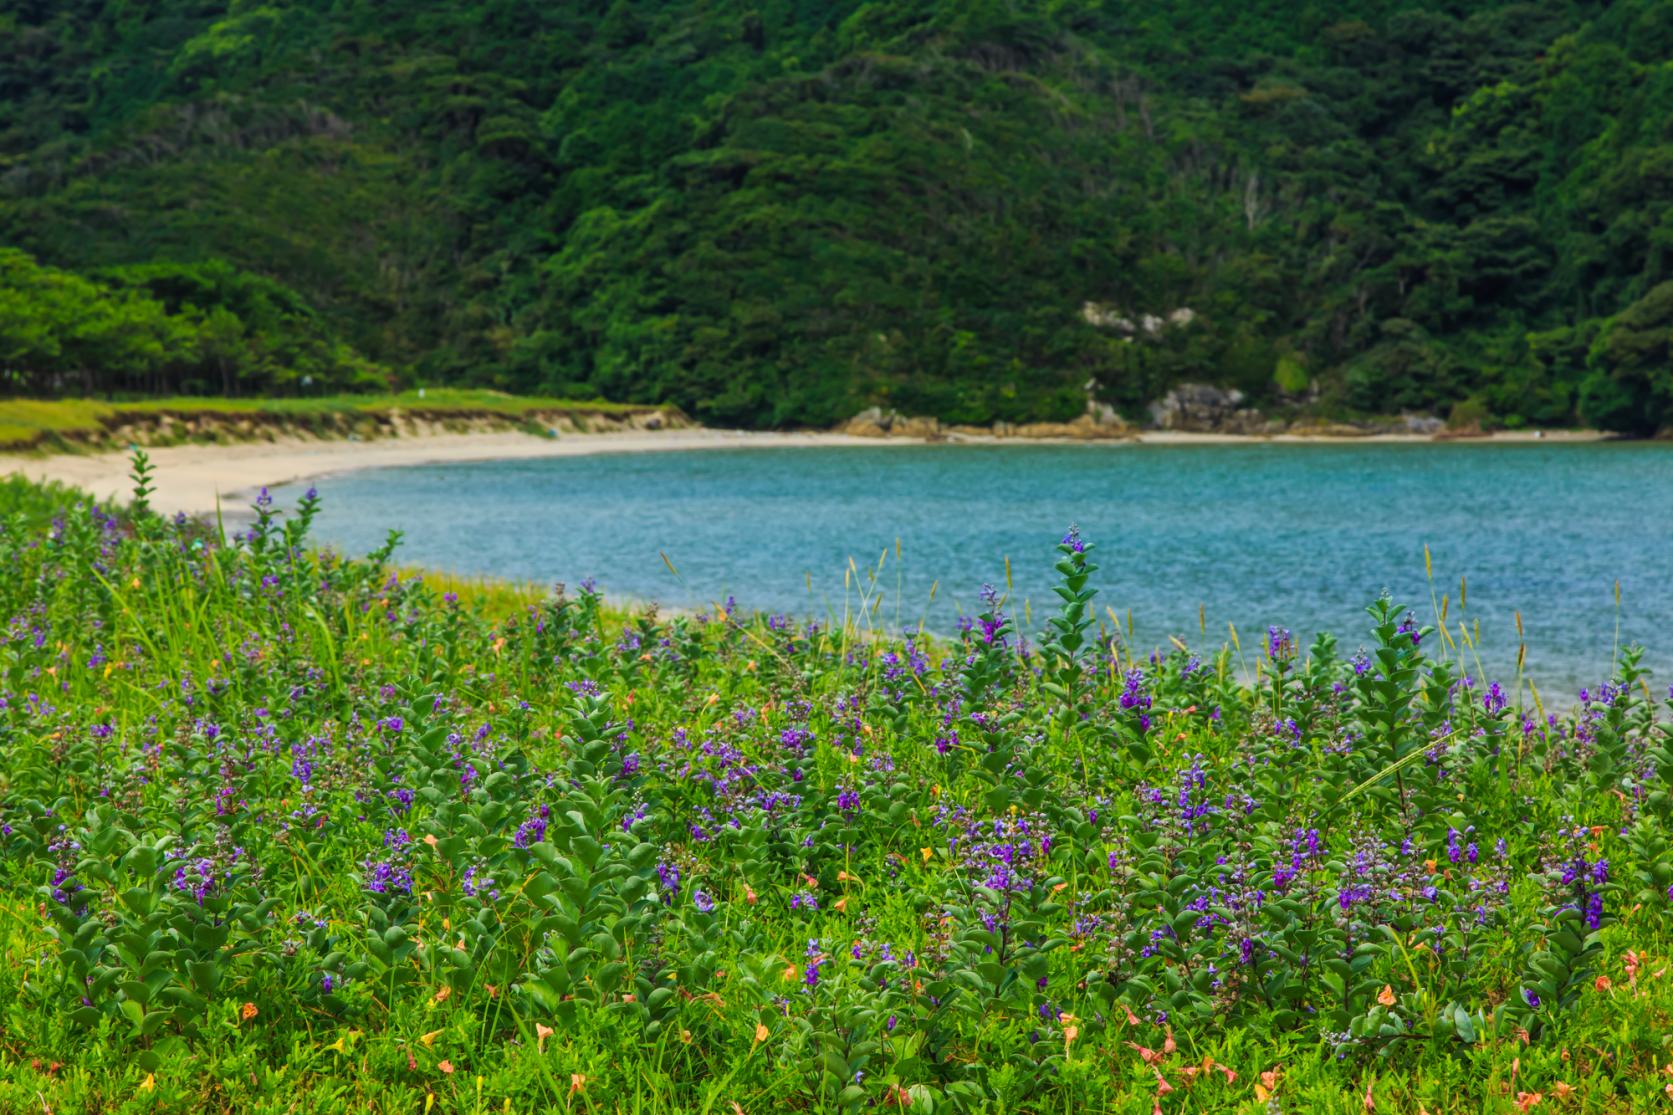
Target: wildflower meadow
point(284, 830)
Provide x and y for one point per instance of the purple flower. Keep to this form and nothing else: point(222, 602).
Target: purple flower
point(669, 874)
point(531, 831)
point(475, 883)
point(814, 960)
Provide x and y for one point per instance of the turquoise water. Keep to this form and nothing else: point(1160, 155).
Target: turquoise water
point(1252, 534)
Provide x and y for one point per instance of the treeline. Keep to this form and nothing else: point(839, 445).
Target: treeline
point(165, 329)
point(776, 213)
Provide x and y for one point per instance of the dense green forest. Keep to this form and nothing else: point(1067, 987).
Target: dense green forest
point(777, 212)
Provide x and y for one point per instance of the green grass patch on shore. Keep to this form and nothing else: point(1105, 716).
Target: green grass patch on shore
point(62, 423)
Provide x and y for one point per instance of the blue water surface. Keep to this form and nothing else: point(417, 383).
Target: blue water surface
point(1190, 538)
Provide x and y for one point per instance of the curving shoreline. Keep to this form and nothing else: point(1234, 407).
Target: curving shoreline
point(196, 479)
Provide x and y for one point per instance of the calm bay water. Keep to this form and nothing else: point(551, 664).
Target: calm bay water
point(1298, 535)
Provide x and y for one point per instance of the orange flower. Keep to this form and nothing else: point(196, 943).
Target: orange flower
point(446, 1067)
point(247, 1012)
point(1602, 983)
point(1148, 1056)
point(1070, 1033)
point(1525, 1100)
point(442, 995)
point(577, 1082)
point(541, 1033)
point(1386, 995)
point(761, 1032)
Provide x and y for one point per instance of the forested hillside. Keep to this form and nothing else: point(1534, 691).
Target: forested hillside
point(777, 212)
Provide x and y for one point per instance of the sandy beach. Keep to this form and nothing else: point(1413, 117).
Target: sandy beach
point(196, 479)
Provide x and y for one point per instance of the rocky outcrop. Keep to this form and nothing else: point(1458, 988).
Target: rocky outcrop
point(1105, 315)
point(1099, 424)
point(1085, 428)
point(878, 422)
point(1204, 408)
point(1419, 424)
point(1199, 408)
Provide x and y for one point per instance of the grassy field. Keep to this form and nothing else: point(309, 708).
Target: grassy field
point(289, 832)
point(58, 423)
